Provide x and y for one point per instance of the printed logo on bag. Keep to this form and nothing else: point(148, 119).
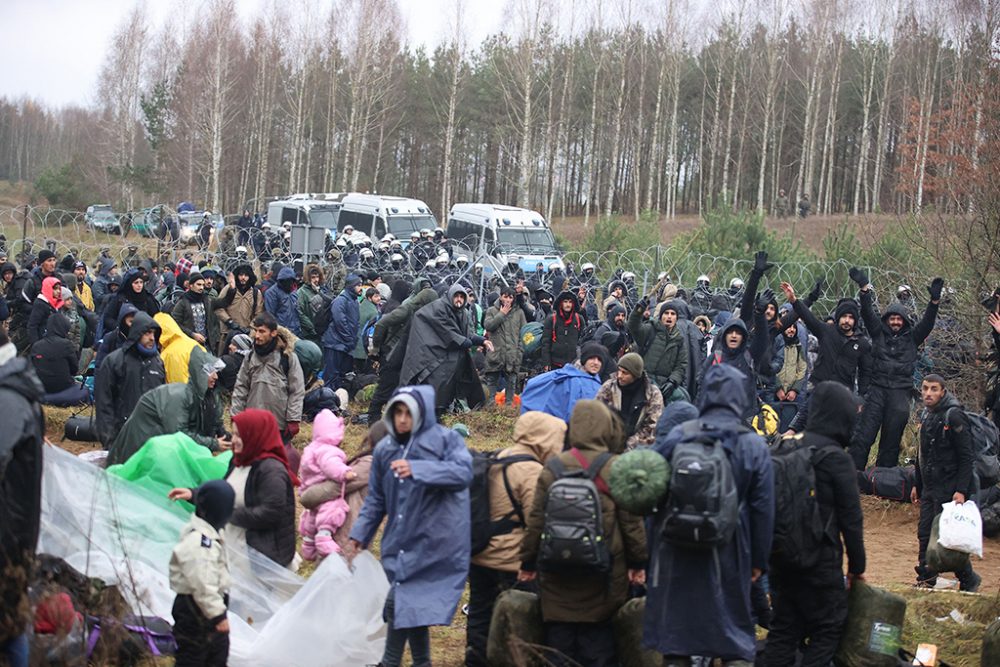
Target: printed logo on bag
point(884, 639)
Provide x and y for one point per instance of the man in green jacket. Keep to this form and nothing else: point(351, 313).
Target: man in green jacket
point(503, 322)
point(663, 348)
point(368, 310)
point(311, 288)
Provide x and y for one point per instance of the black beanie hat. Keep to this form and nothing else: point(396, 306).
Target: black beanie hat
point(214, 502)
point(45, 254)
point(590, 350)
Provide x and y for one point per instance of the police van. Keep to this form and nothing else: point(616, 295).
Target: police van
point(504, 231)
point(378, 215)
point(314, 210)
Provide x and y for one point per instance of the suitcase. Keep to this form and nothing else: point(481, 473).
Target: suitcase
point(81, 428)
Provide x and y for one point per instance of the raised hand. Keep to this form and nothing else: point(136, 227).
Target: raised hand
point(858, 276)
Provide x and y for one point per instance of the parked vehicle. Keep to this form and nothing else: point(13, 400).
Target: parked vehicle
point(378, 215)
point(504, 231)
point(315, 210)
point(101, 217)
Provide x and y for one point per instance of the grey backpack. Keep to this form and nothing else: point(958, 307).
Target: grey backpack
point(573, 537)
point(702, 508)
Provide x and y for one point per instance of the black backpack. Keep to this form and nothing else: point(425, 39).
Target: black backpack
point(798, 526)
point(985, 443)
point(702, 509)
point(484, 528)
point(589, 331)
point(322, 316)
point(573, 537)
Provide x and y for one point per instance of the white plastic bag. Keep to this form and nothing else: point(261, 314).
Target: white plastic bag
point(961, 528)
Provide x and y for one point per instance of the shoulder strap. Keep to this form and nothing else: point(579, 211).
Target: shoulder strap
point(593, 469)
point(284, 363)
point(504, 463)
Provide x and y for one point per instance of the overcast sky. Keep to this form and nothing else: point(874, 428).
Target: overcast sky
point(52, 50)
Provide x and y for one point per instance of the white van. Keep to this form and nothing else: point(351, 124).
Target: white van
point(378, 215)
point(504, 231)
point(315, 210)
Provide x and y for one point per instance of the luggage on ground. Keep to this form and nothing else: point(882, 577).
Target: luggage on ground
point(943, 559)
point(873, 630)
point(627, 624)
point(516, 631)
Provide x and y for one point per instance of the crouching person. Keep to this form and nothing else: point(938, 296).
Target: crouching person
point(199, 574)
point(538, 437)
point(582, 584)
point(419, 483)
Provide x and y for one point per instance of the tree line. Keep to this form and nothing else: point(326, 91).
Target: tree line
point(578, 108)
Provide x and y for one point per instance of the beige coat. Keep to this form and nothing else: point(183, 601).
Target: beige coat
point(540, 436)
point(199, 568)
point(241, 310)
point(262, 383)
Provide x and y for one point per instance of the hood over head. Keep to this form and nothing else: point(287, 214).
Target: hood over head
point(352, 281)
point(105, 266)
point(594, 427)
point(832, 412)
point(566, 294)
point(18, 375)
point(896, 308)
point(258, 429)
point(245, 268)
point(58, 326)
point(7, 266)
point(143, 323)
point(723, 390)
point(732, 323)
point(126, 309)
point(540, 433)
point(328, 428)
point(673, 414)
point(719, 302)
point(170, 331)
point(214, 502)
point(400, 290)
point(199, 364)
point(129, 278)
point(286, 276)
point(420, 401)
point(52, 293)
point(458, 288)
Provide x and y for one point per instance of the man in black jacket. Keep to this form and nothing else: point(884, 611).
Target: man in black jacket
point(56, 361)
point(945, 471)
point(812, 603)
point(561, 332)
point(895, 346)
point(194, 313)
point(20, 494)
point(127, 374)
point(845, 356)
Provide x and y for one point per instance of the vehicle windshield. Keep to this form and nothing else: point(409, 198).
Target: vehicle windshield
point(401, 226)
point(324, 217)
point(531, 239)
point(105, 215)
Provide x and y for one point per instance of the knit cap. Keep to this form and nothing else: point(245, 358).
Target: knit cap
point(632, 363)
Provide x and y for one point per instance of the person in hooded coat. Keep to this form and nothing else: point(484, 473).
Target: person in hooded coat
point(341, 336)
point(734, 346)
point(21, 441)
point(504, 321)
point(56, 361)
point(307, 297)
point(105, 270)
point(389, 344)
point(896, 350)
point(419, 483)
point(281, 301)
point(191, 408)
point(561, 332)
point(400, 291)
point(538, 437)
point(240, 301)
point(698, 603)
point(636, 398)
point(127, 374)
point(132, 291)
point(577, 609)
point(116, 338)
point(662, 346)
point(175, 348)
point(812, 604)
point(437, 351)
point(48, 302)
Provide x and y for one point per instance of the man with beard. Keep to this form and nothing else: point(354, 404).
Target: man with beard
point(503, 321)
point(281, 302)
point(896, 350)
point(240, 301)
point(437, 351)
point(193, 313)
point(663, 347)
point(844, 354)
point(561, 333)
point(612, 332)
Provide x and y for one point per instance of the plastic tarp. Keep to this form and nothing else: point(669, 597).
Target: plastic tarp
point(556, 392)
point(169, 461)
point(123, 534)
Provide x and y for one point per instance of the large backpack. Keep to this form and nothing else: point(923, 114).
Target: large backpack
point(484, 528)
point(702, 508)
point(322, 316)
point(573, 537)
point(985, 445)
point(590, 330)
point(798, 525)
point(368, 332)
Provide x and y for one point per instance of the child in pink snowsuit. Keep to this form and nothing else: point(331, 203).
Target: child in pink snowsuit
point(324, 460)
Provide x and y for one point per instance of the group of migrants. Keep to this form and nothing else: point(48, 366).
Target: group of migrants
point(694, 375)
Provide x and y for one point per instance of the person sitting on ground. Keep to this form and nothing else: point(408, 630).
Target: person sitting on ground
point(240, 346)
point(56, 362)
point(419, 483)
point(636, 399)
point(322, 461)
point(199, 575)
point(133, 290)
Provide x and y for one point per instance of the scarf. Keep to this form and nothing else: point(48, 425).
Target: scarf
point(264, 350)
point(259, 431)
point(146, 351)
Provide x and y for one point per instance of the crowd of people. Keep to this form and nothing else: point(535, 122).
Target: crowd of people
point(598, 369)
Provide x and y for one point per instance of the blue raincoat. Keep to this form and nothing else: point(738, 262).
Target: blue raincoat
point(698, 601)
point(425, 546)
point(556, 392)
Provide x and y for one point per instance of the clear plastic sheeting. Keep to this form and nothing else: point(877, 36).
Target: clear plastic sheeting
point(334, 621)
point(123, 534)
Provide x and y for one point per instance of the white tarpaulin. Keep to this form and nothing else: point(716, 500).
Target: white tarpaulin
point(113, 530)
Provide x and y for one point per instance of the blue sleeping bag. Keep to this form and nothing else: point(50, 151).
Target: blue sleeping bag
point(556, 392)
